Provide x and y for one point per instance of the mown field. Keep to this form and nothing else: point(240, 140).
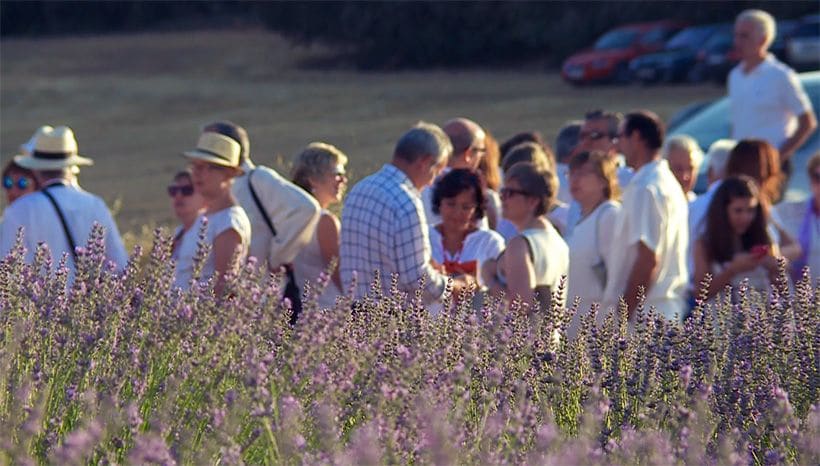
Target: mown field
point(136, 101)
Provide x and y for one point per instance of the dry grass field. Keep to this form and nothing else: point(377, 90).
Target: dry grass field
point(136, 101)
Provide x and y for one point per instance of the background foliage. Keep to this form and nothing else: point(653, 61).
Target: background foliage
point(394, 34)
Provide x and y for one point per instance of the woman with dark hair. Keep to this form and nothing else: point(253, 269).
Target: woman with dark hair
point(760, 161)
point(18, 181)
point(537, 257)
point(457, 244)
point(738, 242)
point(187, 205)
point(320, 170)
point(593, 179)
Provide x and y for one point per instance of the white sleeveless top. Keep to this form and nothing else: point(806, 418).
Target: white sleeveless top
point(232, 218)
point(550, 257)
point(307, 266)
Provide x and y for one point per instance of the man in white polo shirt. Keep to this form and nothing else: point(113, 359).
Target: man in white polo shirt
point(651, 230)
point(767, 99)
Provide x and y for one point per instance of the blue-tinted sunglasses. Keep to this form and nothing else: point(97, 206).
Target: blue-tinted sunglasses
point(22, 182)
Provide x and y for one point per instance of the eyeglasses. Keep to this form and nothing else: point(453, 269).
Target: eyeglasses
point(815, 178)
point(479, 150)
point(591, 135)
point(186, 190)
point(506, 193)
point(21, 183)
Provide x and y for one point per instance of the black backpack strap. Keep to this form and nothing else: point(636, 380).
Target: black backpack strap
point(63, 222)
point(291, 289)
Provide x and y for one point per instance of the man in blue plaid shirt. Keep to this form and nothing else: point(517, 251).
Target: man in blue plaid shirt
point(383, 223)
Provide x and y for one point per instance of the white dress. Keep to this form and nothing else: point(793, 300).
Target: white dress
point(478, 247)
point(307, 266)
point(588, 252)
point(232, 218)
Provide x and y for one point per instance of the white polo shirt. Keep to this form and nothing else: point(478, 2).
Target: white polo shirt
point(766, 102)
point(655, 213)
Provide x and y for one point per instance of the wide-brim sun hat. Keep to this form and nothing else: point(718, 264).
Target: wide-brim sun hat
point(216, 149)
point(52, 149)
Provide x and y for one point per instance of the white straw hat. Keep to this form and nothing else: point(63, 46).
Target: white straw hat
point(52, 149)
point(217, 149)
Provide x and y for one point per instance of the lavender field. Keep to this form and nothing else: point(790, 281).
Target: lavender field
point(119, 369)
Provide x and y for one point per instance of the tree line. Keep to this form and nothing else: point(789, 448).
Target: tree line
point(390, 34)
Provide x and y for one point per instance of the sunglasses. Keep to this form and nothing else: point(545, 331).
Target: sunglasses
point(21, 183)
point(184, 190)
point(509, 192)
point(591, 135)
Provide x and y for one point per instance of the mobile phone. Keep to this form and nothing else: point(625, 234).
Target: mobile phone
point(760, 250)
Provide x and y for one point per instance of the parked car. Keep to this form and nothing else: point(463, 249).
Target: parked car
point(712, 123)
point(677, 57)
point(803, 47)
point(608, 59)
point(718, 56)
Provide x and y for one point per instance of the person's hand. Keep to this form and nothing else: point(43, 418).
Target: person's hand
point(744, 261)
point(463, 283)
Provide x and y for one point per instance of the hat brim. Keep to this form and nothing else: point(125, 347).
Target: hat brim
point(36, 163)
point(210, 158)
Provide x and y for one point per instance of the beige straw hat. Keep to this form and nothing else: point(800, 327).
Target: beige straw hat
point(53, 149)
point(217, 149)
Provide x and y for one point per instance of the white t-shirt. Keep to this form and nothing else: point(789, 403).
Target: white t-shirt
point(655, 213)
point(587, 249)
point(479, 246)
point(766, 102)
point(232, 218)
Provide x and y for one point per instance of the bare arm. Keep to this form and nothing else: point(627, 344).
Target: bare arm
point(806, 124)
point(327, 233)
point(225, 245)
point(520, 271)
point(642, 272)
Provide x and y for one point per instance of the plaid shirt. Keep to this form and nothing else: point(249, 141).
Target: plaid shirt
point(384, 229)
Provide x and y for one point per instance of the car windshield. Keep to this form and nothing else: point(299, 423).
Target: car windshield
point(689, 38)
point(808, 30)
point(617, 39)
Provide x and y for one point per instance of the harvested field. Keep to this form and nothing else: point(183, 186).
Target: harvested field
point(136, 101)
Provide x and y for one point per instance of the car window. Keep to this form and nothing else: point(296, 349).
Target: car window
point(617, 39)
point(808, 30)
point(689, 38)
point(656, 36)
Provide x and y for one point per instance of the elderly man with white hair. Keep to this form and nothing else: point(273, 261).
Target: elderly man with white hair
point(384, 228)
point(685, 158)
point(767, 100)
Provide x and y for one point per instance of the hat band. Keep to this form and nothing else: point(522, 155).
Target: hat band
point(51, 155)
point(215, 154)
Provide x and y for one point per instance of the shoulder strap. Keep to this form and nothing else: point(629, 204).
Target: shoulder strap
point(259, 204)
point(63, 222)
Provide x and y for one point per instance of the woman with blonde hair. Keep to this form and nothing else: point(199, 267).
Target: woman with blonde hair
point(537, 257)
point(593, 178)
point(320, 170)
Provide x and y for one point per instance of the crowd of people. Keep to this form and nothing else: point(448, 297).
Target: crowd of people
point(610, 207)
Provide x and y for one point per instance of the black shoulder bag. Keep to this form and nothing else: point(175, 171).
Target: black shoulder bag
point(67, 232)
point(291, 289)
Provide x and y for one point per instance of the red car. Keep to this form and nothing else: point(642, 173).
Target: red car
point(608, 59)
